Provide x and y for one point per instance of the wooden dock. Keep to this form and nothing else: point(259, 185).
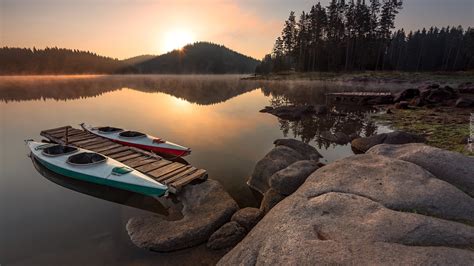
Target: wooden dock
point(173, 174)
point(359, 98)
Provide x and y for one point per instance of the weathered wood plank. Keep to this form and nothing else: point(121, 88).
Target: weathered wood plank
point(150, 167)
point(93, 144)
point(139, 161)
point(115, 150)
point(69, 133)
point(96, 146)
point(175, 175)
point(75, 139)
point(165, 170)
point(199, 174)
point(52, 130)
point(108, 147)
point(128, 157)
point(121, 154)
point(88, 141)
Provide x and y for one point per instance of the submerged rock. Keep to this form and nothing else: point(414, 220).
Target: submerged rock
point(366, 209)
point(228, 235)
point(397, 137)
point(247, 217)
point(207, 206)
point(289, 179)
point(451, 167)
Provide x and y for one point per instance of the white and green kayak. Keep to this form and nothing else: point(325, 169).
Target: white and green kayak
point(93, 167)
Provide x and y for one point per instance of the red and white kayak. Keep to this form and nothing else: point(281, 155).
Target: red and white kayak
point(138, 140)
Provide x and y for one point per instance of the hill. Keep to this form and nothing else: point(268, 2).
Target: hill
point(199, 58)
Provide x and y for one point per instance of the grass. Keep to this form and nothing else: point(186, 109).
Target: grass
point(443, 127)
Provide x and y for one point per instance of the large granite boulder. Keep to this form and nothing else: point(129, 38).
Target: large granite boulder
point(289, 179)
point(307, 151)
point(278, 158)
point(247, 217)
point(451, 167)
point(366, 209)
point(361, 145)
point(397, 184)
point(406, 94)
point(228, 235)
point(438, 94)
point(206, 207)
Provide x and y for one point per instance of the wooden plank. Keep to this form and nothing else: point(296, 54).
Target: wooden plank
point(115, 150)
point(107, 148)
point(52, 130)
point(69, 133)
point(150, 167)
point(184, 181)
point(171, 177)
point(139, 161)
point(93, 144)
point(165, 170)
point(121, 154)
point(96, 146)
point(128, 157)
point(75, 139)
point(88, 141)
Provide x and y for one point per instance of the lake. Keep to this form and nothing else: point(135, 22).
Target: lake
point(49, 219)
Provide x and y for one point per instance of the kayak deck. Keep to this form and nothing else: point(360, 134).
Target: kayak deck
point(173, 174)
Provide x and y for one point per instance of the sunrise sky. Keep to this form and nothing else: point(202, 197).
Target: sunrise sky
point(122, 29)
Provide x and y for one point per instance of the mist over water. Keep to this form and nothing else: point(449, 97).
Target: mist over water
point(46, 217)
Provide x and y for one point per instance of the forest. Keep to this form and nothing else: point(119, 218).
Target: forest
point(199, 57)
point(359, 35)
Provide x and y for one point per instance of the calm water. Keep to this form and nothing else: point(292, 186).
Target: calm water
point(48, 219)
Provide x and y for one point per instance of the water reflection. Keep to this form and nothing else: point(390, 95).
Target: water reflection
point(200, 89)
point(111, 194)
point(327, 130)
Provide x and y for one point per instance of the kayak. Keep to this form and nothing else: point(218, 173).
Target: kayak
point(138, 140)
point(93, 167)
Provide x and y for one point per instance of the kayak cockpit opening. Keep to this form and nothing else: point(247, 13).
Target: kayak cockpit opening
point(131, 134)
point(109, 129)
point(86, 158)
point(58, 150)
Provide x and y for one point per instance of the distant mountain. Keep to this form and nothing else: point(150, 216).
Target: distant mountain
point(137, 59)
point(199, 58)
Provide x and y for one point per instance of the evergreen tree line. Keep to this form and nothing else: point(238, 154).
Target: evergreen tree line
point(358, 35)
point(54, 61)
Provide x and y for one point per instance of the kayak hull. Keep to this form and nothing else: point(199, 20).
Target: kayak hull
point(146, 142)
point(104, 173)
point(101, 181)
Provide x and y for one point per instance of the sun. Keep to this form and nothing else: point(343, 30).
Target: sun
point(176, 39)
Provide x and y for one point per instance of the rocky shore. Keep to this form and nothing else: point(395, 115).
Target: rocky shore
point(398, 203)
point(395, 204)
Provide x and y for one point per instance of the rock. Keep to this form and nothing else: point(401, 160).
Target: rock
point(270, 199)
point(467, 87)
point(266, 109)
point(307, 151)
point(228, 235)
point(417, 101)
point(364, 210)
point(291, 112)
point(389, 111)
point(401, 105)
point(464, 102)
point(437, 95)
point(207, 206)
point(278, 158)
point(397, 137)
point(354, 136)
point(345, 229)
point(289, 179)
point(247, 217)
point(397, 184)
point(406, 94)
point(463, 140)
point(451, 167)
